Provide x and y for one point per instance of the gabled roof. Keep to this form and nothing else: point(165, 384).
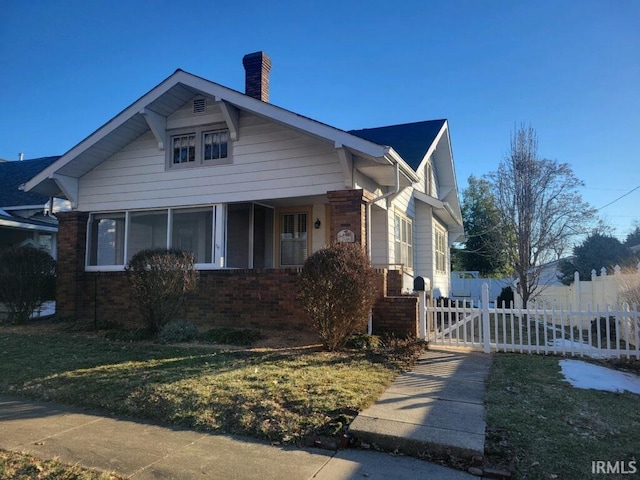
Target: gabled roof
point(150, 110)
point(410, 140)
point(15, 173)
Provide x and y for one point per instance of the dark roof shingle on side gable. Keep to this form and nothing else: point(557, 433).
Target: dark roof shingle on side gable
point(410, 140)
point(15, 173)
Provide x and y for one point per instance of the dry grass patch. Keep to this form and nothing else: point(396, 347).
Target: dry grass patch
point(20, 466)
point(276, 394)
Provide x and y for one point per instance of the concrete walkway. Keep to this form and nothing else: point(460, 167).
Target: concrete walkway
point(436, 409)
point(140, 450)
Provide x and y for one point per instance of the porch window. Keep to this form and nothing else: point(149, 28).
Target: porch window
point(192, 231)
point(146, 230)
point(233, 236)
point(441, 251)
point(249, 236)
point(403, 240)
point(293, 239)
point(106, 234)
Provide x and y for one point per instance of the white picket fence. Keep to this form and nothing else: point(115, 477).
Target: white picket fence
point(611, 331)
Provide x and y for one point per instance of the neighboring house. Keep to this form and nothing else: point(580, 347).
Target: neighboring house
point(252, 189)
point(25, 216)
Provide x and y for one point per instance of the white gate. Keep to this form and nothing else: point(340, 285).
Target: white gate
point(612, 331)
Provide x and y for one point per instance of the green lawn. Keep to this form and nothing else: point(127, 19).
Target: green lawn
point(544, 427)
point(276, 395)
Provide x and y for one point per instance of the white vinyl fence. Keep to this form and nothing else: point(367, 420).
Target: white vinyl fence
point(610, 331)
point(603, 289)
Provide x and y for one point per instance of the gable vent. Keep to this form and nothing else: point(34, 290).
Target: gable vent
point(199, 105)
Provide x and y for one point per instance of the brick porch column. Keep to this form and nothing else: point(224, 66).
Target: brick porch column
point(72, 241)
point(348, 210)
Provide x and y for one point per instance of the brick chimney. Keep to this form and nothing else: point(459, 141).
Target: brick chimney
point(257, 66)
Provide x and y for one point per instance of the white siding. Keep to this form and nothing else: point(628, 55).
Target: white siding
point(423, 241)
point(424, 225)
point(380, 237)
point(319, 237)
point(268, 161)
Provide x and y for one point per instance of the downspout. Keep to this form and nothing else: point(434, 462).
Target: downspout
point(396, 189)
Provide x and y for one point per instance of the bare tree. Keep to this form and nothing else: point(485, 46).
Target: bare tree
point(540, 207)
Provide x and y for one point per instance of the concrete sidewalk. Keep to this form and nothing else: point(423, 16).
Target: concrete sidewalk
point(140, 450)
point(435, 409)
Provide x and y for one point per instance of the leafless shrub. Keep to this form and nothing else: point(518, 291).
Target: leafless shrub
point(337, 289)
point(629, 286)
point(27, 278)
point(160, 280)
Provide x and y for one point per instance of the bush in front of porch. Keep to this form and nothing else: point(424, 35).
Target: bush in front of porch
point(337, 288)
point(160, 278)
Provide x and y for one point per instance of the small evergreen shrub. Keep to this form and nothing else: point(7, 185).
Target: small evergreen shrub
point(27, 279)
point(160, 280)
point(505, 299)
point(232, 336)
point(337, 288)
point(178, 331)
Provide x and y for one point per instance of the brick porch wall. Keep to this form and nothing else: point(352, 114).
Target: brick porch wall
point(231, 298)
point(72, 237)
point(238, 298)
point(260, 298)
point(397, 316)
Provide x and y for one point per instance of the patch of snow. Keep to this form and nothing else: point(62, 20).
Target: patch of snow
point(586, 375)
point(47, 308)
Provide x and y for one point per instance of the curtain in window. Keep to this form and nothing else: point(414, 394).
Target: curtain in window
point(293, 239)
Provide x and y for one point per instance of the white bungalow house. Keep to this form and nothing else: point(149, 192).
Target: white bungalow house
point(252, 189)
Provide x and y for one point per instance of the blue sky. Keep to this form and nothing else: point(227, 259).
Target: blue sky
point(571, 69)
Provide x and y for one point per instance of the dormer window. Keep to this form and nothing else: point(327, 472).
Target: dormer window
point(215, 145)
point(201, 146)
point(184, 149)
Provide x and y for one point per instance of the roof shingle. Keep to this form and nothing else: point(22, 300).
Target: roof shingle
point(15, 173)
point(410, 140)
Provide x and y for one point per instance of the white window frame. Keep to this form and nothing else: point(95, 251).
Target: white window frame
point(403, 237)
point(199, 133)
point(218, 211)
point(440, 250)
point(306, 210)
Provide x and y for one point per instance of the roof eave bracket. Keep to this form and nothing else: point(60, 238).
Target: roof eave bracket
point(230, 114)
point(346, 163)
point(68, 186)
point(157, 123)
